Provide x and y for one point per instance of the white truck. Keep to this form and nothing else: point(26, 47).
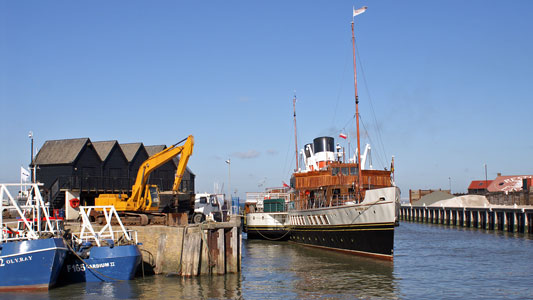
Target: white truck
point(207, 207)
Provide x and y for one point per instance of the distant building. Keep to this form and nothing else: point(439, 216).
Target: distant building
point(135, 154)
point(86, 169)
point(114, 162)
point(479, 187)
point(70, 157)
point(512, 183)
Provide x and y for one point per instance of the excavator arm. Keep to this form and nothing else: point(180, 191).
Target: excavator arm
point(154, 162)
point(182, 165)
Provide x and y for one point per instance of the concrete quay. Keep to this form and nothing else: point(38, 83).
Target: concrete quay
point(503, 218)
point(188, 250)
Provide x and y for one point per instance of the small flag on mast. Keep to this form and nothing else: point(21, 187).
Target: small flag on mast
point(285, 185)
point(342, 135)
point(359, 10)
point(24, 174)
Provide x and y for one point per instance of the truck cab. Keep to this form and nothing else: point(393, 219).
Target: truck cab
point(206, 207)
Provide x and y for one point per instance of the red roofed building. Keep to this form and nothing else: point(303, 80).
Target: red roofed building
point(479, 187)
point(514, 183)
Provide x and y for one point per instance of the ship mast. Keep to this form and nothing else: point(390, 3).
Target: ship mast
point(360, 178)
point(295, 135)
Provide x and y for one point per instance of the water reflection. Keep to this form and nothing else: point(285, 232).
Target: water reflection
point(429, 261)
point(203, 287)
point(305, 273)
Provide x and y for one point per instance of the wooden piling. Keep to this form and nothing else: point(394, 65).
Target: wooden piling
point(205, 268)
point(232, 251)
point(190, 262)
point(510, 219)
point(160, 256)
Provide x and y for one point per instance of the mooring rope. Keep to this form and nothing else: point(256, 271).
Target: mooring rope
point(88, 265)
point(274, 239)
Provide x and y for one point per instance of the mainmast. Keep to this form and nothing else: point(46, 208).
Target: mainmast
point(295, 135)
point(360, 178)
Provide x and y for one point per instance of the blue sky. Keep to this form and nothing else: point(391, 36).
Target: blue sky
point(449, 82)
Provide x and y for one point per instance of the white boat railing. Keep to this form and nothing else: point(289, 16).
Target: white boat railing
point(33, 218)
point(88, 234)
point(258, 200)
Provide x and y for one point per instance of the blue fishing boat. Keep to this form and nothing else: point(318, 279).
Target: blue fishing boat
point(32, 251)
point(104, 255)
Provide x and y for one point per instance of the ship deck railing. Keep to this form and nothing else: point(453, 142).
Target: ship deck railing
point(322, 202)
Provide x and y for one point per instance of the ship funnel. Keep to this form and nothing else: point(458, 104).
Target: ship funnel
point(324, 144)
point(307, 150)
point(324, 148)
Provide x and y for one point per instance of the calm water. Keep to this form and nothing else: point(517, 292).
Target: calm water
point(431, 262)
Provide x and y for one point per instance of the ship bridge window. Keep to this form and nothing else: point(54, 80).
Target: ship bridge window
point(334, 171)
point(353, 171)
point(203, 200)
point(344, 171)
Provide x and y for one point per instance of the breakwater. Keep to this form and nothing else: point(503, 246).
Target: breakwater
point(510, 219)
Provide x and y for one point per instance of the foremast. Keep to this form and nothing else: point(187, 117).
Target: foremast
point(359, 178)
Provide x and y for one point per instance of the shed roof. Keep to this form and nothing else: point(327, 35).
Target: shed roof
point(511, 183)
point(151, 150)
point(130, 150)
point(479, 184)
point(104, 148)
point(60, 151)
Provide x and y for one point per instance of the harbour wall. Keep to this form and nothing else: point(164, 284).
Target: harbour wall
point(189, 250)
point(510, 219)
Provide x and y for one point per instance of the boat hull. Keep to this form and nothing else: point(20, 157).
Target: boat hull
point(105, 263)
point(372, 240)
point(267, 226)
point(268, 233)
point(31, 264)
point(365, 229)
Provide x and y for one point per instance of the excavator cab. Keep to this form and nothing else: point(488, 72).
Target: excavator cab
point(152, 201)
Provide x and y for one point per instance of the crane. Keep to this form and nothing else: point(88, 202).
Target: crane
point(143, 203)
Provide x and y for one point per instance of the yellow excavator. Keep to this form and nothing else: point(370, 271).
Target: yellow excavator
point(142, 206)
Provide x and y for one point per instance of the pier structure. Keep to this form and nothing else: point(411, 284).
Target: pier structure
point(189, 250)
point(509, 219)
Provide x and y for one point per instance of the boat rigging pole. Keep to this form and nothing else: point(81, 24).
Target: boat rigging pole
point(360, 178)
point(295, 135)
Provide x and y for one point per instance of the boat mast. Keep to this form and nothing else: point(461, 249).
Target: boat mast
point(360, 178)
point(295, 136)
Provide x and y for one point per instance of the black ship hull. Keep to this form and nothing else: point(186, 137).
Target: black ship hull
point(267, 233)
point(372, 240)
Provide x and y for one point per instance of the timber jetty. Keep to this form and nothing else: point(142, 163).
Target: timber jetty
point(503, 218)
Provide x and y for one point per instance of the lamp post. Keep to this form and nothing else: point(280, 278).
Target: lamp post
point(30, 135)
point(229, 177)
point(486, 185)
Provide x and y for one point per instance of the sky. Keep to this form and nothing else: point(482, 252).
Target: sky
point(444, 86)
